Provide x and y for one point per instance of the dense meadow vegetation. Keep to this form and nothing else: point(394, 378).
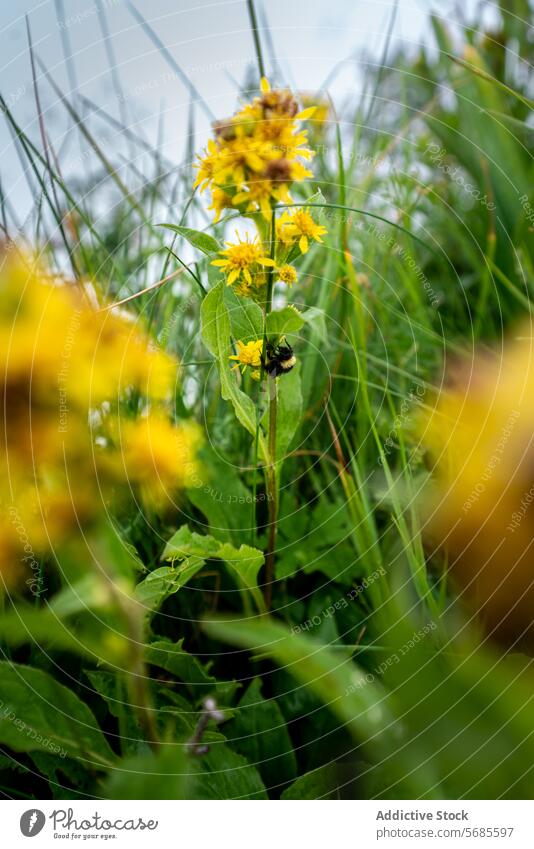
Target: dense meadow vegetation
point(268, 468)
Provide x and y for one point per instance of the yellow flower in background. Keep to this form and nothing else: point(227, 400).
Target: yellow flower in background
point(321, 108)
point(67, 370)
point(287, 274)
point(243, 260)
point(298, 226)
point(480, 436)
point(159, 458)
point(249, 354)
point(220, 200)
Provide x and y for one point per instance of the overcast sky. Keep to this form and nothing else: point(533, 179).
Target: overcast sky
point(210, 40)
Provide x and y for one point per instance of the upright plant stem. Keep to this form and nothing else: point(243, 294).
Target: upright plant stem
point(271, 477)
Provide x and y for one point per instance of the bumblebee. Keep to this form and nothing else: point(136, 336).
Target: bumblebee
point(280, 359)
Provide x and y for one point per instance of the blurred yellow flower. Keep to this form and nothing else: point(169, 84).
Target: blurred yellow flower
point(480, 436)
point(159, 458)
point(67, 370)
point(321, 108)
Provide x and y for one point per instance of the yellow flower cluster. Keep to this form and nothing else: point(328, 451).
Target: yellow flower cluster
point(256, 155)
point(65, 366)
point(480, 437)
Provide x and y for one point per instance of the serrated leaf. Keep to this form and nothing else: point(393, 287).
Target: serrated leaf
point(202, 241)
point(38, 714)
point(195, 675)
point(176, 660)
point(244, 562)
point(165, 581)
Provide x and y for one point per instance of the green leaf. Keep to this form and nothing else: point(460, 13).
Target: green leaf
point(216, 331)
point(321, 783)
point(112, 688)
point(259, 732)
point(244, 562)
point(42, 626)
point(315, 318)
point(289, 411)
point(202, 241)
point(223, 774)
point(223, 498)
point(286, 320)
point(176, 660)
point(165, 581)
point(38, 714)
point(163, 774)
point(246, 317)
point(88, 593)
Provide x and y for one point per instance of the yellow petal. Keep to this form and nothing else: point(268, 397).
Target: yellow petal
point(305, 114)
point(264, 85)
point(303, 244)
point(220, 262)
point(232, 276)
point(266, 261)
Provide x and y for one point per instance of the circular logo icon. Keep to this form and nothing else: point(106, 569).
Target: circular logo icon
point(32, 822)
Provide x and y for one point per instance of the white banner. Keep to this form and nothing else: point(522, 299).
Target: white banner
point(268, 825)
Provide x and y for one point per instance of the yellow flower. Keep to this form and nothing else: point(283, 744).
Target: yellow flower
point(220, 200)
point(298, 225)
point(479, 435)
point(249, 355)
point(321, 106)
point(159, 458)
point(256, 154)
point(65, 364)
point(287, 274)
point(242, 259)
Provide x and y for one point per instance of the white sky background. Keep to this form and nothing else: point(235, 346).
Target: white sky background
point(211, 41)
